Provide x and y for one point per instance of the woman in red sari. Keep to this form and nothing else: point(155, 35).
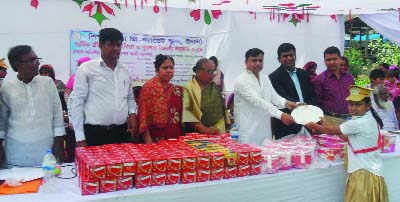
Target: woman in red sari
point(160, 104)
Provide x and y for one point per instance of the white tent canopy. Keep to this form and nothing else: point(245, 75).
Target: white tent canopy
point(386, 24)
point(319, 7)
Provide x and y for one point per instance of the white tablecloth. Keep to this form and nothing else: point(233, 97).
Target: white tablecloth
point(322, 185)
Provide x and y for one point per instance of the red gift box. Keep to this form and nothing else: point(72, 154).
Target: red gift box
point(243, 170)
point(173, 178)
point(217, 160)
point(89, 186)
point(124, 182)
point(173, 164)
point(255, 156)
point(159, 165)
point(113, 166)
point(203, 175)
point(144, 165)
point(108, 185)
point(217, 173)
point(230, 172)
point(243, 157)
point(189, 162)
point(158, 179)
point(142, 180)
point(188, 176)
point(128, 166)
point(255, 169)
point(203, 161)
point(96, 169)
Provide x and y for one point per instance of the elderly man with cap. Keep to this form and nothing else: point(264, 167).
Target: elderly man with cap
point(3, 71)
point(365, 181)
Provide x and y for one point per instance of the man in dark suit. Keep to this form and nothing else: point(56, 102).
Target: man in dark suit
point(291, 83)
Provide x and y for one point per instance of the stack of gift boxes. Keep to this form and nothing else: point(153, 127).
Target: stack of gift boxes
point(110, 168)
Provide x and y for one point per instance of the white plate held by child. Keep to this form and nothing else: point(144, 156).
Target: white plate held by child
point(307, 113)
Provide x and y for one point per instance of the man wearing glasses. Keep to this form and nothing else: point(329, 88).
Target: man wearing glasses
point(31, 118)
point(103, 108)
point(256, 101)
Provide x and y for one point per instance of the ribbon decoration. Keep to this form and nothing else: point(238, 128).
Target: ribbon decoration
point(350, 16)
point(35, 3)
point(254, 15)
point(88, 8)
point(333, 17)
point(134, 4)
point(285, 16)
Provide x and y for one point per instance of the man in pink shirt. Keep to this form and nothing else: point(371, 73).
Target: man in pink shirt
point(332, 87)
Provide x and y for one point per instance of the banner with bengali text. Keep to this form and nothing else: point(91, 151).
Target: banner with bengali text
point(138, 53)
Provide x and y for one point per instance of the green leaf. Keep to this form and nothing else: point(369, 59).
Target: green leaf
point(207, 17)
point(294, 20)
point(303, 5)
point(99, 17)
point(79, 2)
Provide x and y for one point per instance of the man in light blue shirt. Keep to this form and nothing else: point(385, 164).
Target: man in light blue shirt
point(291, 83)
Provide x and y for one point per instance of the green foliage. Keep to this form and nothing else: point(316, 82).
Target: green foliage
point(362, 80)
point(356, 61)
point(385, 52)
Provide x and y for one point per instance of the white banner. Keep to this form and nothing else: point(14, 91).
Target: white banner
point(139, 51)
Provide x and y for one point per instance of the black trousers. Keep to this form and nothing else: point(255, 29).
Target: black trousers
point(98, 135)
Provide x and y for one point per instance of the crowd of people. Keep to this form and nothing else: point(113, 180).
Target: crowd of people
point(104, 108)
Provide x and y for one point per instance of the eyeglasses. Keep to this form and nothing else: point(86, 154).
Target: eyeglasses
point(209, 71)
point(34, 60)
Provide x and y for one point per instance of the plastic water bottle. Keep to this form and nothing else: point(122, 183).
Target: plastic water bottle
point(48, 167)
point(234, 133)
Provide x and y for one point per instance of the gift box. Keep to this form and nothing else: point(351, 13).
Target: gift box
point(172, 178)
point(255, 169)
point(230, 172)
point(142, 180)
point(189, 162)
point(96, 169)
point(128, 166)
point(108, 185)
point(217, 173)
point(124, 182)
point(188, 176)
point(203, 160)
point(158, 179)
point(243, 170)
point(255, 156)
point(174, 164)
point(217, 160)
point(89, 186)
point(203, 175)
point(113, 166)
point(144, 165)
point(242, 157)
point(159, 164)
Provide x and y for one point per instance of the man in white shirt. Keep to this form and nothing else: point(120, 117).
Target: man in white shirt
point(31, 118)
point(256, 101)
point(103, 109)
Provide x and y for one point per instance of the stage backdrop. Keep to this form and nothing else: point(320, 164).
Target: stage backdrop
point(48, 30)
